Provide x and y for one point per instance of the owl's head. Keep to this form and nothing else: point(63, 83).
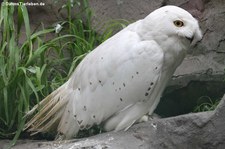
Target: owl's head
point(173, 21)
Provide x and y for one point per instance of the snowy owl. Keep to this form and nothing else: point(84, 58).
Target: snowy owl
point(122, 79)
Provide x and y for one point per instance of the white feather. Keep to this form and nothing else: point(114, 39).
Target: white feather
point(122, 79)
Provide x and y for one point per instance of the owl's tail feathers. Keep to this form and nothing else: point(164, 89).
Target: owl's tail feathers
point(51, 116)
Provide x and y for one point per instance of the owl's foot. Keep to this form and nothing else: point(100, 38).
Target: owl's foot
point(148, 117)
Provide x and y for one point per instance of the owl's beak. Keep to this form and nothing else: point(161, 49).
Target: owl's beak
point(196, 37)
point(190, 39)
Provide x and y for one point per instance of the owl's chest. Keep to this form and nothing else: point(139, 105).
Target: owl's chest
point(174, 53)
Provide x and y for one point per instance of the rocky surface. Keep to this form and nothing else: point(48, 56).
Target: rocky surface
point(201, 73)
point(191, 131)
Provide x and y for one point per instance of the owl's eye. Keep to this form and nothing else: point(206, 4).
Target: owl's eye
point(178, 23)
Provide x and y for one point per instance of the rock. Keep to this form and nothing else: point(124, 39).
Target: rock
point(197, 130)
point(130, 10)
point(198, 80)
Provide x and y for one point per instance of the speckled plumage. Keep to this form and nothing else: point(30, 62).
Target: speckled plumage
point(122, 79)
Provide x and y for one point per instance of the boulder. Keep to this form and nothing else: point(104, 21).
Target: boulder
point(197, 130)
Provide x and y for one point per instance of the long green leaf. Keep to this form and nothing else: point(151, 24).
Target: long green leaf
point(25, 17)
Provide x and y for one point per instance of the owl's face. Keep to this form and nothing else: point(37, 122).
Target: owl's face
point(185, 26)
point(172, 21)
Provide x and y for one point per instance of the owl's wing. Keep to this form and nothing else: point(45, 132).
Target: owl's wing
point(118, 76)
point(115, 84)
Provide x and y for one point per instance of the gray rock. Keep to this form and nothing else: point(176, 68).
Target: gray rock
point(130, 10)
point(198, 68)
point(197, 130)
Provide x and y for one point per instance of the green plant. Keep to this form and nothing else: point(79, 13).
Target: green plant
point(24, 69)
point(30, 71)
point(205, 103)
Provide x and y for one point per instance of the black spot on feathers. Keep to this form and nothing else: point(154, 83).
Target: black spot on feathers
point(121, 99)
point(93, 116)
point(88, 126)
point(144, 100)
point(85, 108)
point(90, 83)
point(79, 122)
point(124, 84)
point(137, 72)
point(146, 94)
point(151, 83)
point(81, 126)
point(100, 82)
point(149, 88)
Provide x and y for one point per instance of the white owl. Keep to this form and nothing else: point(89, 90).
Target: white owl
point(122, 79)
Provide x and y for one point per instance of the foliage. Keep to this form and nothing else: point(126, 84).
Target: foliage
point(31, 70)
point(24, 69)
point(205, 103)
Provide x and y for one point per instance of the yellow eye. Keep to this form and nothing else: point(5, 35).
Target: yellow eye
point(178, 23)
